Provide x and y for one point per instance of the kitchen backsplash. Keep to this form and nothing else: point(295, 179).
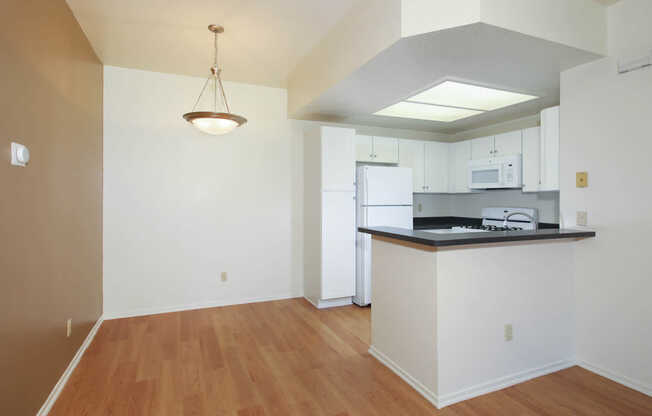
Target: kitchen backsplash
point(470, 205)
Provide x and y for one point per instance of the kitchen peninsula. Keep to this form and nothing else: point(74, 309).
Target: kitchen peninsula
point(458, 315)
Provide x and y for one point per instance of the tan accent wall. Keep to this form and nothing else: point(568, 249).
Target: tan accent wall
point(50, 211)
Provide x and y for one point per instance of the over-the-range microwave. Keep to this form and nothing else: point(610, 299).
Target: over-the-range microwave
point(498, 172)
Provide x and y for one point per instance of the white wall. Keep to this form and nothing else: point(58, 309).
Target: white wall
point(180, 206)
point(480, 289)
point(630, 31)
point(470, 205)
point(605, 130)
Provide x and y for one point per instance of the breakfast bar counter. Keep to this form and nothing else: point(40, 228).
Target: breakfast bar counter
point(457, 315)
point(440, 238)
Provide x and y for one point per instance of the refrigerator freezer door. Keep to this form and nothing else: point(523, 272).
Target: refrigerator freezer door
point(385, 185)
point(388, 216)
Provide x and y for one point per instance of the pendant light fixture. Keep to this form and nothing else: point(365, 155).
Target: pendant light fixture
point(214, 122)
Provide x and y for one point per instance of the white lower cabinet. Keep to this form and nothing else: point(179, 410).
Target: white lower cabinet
point(338, 245)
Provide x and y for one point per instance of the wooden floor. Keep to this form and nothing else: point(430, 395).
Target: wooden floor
point(287, 358)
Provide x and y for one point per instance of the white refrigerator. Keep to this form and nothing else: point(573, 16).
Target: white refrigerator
point(384, 198)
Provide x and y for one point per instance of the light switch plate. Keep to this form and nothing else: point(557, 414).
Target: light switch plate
point(19, 154)
point(582, 218)
point(582, 179)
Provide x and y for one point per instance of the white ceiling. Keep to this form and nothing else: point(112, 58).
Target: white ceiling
point(262, 43)
point(478, 54)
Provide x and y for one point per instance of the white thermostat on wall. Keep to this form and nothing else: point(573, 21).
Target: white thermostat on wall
point(19, 154)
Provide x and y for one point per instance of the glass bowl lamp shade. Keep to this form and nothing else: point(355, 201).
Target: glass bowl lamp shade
point(214, 122)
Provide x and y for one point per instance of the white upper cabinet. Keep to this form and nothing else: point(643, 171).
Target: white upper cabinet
point(531, 159)
point(549, 149)
point(459, 155)
point(338, 159)
point(376, 149)
point(364, 150)
point(506, 144)
point(385, 149)
point(436, 178)
point(541, 154)
point(482, 148)
point(412, 155)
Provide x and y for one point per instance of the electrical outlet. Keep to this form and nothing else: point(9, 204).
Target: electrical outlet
point(68, 328)
point(509, 333)
point(224, 277)
point(582, 218)
point(582, 179)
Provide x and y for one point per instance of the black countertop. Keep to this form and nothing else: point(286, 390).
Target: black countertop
point(457, 239)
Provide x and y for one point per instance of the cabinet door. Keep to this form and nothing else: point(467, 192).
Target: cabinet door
point(549, 157)
point(338, 159)
point(338, 245)
point(531, 160)
point(436, 167)
point(363, 148)
point(385, 150)
point(459, 157)
point(507, 144)
point(482, 148)
point(412, 155)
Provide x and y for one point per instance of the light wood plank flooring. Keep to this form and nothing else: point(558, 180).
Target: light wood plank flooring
point(287, 358)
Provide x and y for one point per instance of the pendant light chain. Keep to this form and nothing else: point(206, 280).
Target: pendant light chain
point(215, 72)
point(218, 79)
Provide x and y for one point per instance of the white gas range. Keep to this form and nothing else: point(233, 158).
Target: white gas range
point(499, 219)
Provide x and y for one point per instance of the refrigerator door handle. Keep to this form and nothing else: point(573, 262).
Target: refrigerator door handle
point(366, 189)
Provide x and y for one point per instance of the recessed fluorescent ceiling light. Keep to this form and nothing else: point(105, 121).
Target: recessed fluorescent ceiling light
point(456, 94)
point(428, 112)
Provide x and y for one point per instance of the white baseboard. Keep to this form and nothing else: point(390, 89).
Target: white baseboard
point(416, 384)
point(199, 305)
point(330, 303)
point(468, 393)
point(503, 382)
point(625, 381)
point(58, 388)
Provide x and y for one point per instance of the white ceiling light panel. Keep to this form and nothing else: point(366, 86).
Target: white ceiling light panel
point(456, 94)
point(428, 112)
point(451, 101)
